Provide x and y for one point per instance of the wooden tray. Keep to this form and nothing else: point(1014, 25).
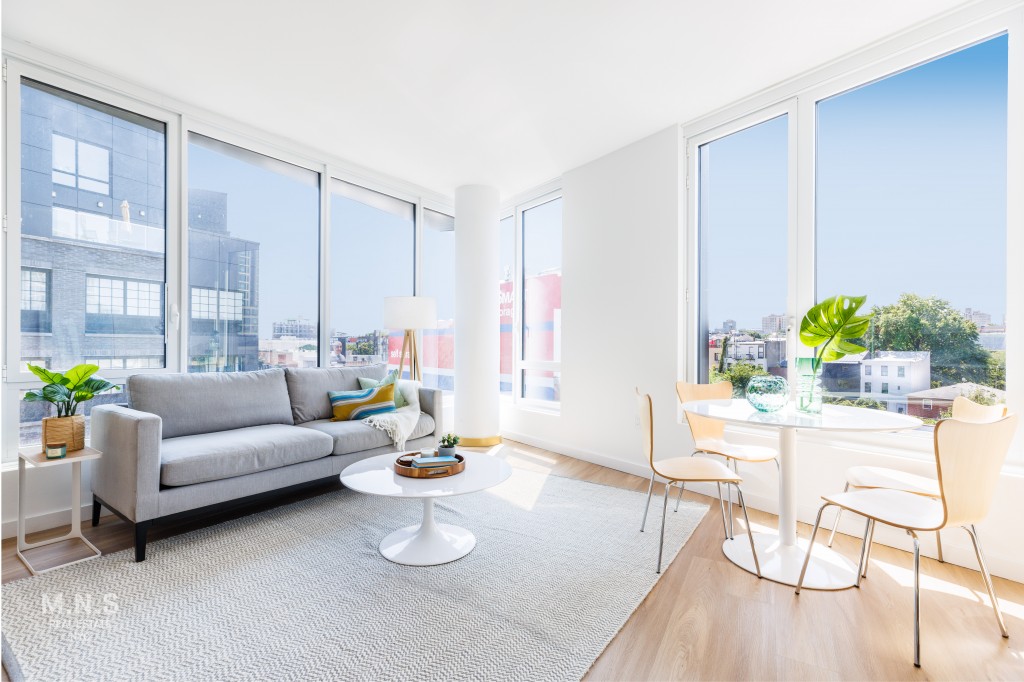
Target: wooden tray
point(404, 467)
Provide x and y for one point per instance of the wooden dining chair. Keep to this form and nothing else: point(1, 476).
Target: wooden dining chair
point(683, 470)
point(866, 477)
point(709, 434)
point(968, 459)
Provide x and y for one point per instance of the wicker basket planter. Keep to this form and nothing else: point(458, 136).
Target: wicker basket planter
point(70, 430)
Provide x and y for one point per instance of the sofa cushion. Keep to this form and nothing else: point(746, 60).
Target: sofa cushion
point(187, 460)
point(203, 403)
point(308, 388)
point(356, 436)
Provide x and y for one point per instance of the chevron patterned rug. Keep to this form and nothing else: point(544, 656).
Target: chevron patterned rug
point(301, 593)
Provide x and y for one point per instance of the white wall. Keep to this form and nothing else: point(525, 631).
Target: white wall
point(620, 238)
point(622, 228)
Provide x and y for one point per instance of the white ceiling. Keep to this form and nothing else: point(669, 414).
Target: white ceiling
point(447, 92)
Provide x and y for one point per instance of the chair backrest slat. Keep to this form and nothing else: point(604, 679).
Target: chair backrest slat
point(704, 427)
point(969, 457)
point(967, 410)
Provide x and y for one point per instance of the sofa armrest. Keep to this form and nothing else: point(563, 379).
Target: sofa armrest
point(127, 476)
point(431, 402)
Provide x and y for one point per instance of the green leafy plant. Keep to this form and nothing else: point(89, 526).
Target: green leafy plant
point(68, 390)
point(831, 326)
point(449, 440)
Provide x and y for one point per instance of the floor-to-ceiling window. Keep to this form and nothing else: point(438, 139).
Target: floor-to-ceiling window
point(541, 339)
point(911, 212)
point(743, 220)
point(372, 255)
point(437, 264)
point(253, 265)
point(506, 301)
point(93, 241)
point(902, 198)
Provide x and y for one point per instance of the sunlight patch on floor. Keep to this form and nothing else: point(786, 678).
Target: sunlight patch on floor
point(904, 577)
point(522, 491)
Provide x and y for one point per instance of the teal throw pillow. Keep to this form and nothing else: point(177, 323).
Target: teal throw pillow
point(391, 378)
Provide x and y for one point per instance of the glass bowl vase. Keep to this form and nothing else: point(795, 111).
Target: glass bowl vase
point(767, 393)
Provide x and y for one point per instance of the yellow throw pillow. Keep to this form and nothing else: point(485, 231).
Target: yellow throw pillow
point(349, 405)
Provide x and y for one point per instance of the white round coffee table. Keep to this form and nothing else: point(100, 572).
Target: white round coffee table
point(429, 543)
point(781, 555)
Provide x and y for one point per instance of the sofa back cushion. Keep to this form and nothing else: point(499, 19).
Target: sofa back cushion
point(190, 404)
point(308, 388)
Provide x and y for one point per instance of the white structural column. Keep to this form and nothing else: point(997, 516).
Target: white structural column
point(476, 317)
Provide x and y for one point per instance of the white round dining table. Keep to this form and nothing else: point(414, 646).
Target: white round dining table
point(781, 554)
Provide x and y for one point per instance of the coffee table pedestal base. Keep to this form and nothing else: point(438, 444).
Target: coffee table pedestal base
point(429, 543)
point(827, 570)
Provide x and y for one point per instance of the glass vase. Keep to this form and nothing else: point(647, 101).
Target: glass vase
point(808, 395)
point(767, 393)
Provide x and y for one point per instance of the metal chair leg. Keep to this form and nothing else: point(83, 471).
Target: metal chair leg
point(732, 508)
point(938, 543)
point(973, 532)
point(750, 532)
point(863, 552)
point(682, 487)
point(721, 502)
point(867, 559)
point(650, 490)
point(839, 512)
point(810, 547)
point(917, 599)
point(664, 509)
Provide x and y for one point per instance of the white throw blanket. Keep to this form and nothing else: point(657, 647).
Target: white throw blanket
point(398, 424)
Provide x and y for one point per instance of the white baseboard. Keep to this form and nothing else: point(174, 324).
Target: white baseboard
point(34, 524)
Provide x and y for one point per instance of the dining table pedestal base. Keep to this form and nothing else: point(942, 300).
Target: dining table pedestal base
point(827, 570)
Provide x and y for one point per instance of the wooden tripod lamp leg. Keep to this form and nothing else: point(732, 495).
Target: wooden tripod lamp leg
point(401, 359)
point(416, 374)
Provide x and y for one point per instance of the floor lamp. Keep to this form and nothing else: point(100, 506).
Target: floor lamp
point(410, 313)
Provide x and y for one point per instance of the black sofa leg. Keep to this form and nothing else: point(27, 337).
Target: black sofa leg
point(96, 509)
point(140, 540)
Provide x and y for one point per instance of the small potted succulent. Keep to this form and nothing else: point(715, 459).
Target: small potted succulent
point(447, 444)
point(67, 391)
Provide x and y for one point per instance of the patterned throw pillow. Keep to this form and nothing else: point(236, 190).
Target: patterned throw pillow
point(350, 405)
point(391, 378)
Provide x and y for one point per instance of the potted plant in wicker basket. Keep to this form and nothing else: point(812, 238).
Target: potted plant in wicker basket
point(67, 391)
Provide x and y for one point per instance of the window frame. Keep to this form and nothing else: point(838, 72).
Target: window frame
point(799, 97)
point(16, 70)
point(178, 118)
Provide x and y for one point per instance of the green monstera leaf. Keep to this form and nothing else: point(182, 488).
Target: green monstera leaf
point(831, 324)
point(46, 375)
point(79, 374)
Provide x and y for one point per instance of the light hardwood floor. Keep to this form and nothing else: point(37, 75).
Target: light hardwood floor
point(708, 620)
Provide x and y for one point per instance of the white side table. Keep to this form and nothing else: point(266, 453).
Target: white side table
point(38, 459)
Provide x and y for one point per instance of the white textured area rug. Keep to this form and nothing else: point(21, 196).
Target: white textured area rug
point(301, 593)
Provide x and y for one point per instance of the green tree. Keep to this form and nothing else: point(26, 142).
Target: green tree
point(739, 374)
point(915, 323)
point(364, 348)
point(997, 369)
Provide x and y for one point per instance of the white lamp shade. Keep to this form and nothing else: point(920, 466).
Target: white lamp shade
point(410, 312)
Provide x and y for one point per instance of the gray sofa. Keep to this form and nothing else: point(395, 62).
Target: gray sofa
point(195, 441)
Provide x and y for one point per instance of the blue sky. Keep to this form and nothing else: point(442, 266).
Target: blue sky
point(911, 194)
point(371, 251)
